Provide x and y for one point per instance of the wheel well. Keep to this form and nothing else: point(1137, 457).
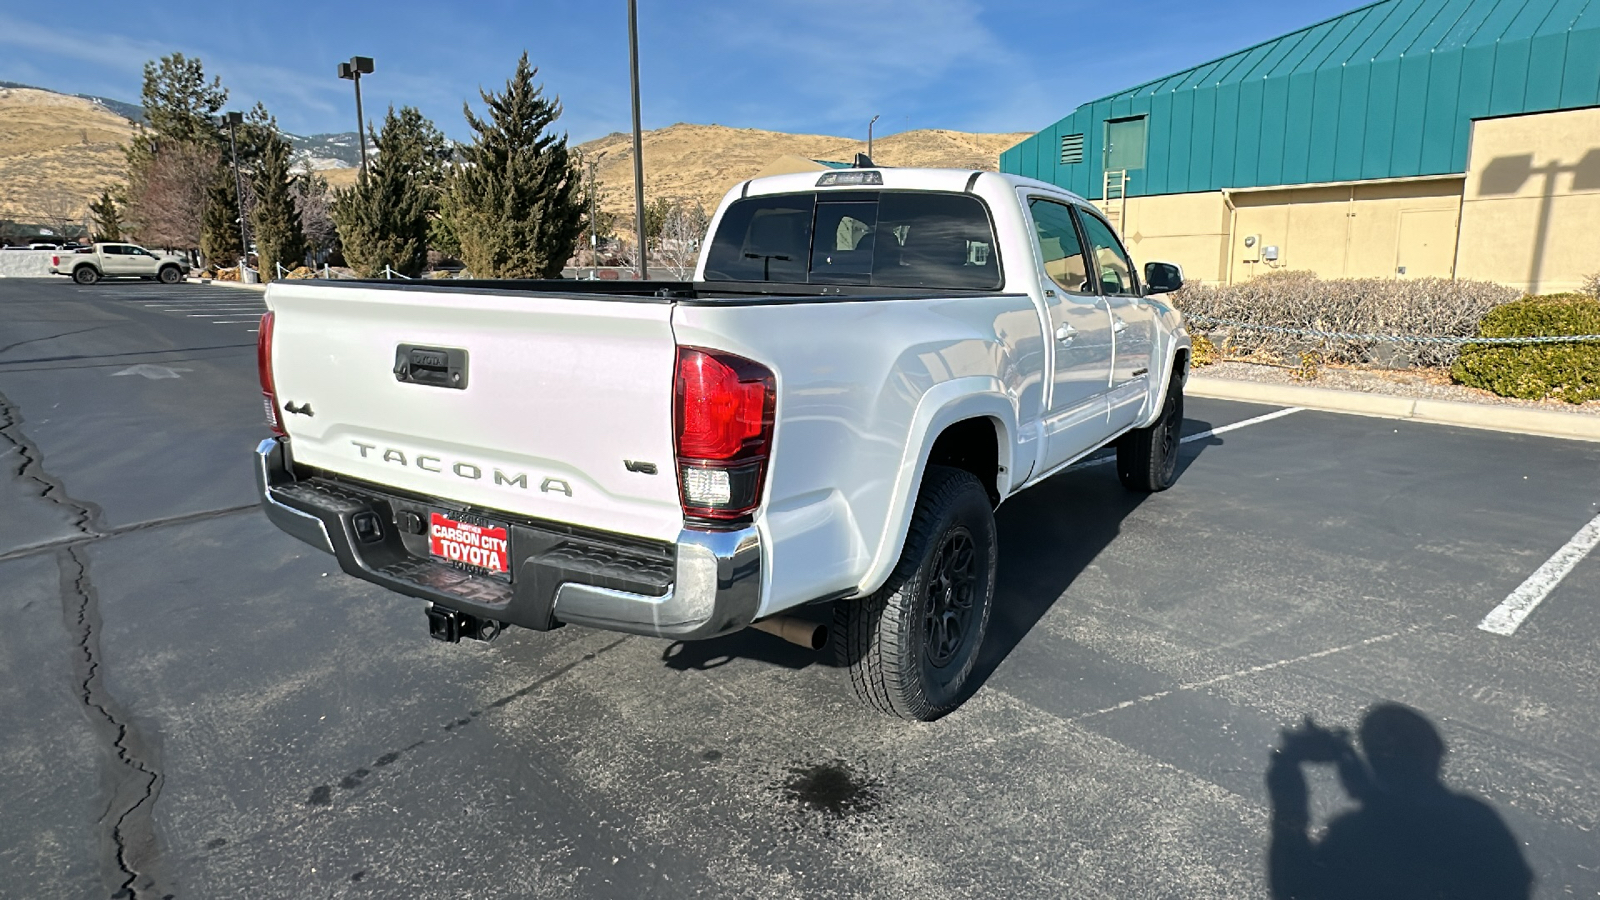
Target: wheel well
point(1180, 366)
point(972, 445)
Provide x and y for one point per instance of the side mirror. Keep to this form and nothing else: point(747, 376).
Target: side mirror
point(1162, 277)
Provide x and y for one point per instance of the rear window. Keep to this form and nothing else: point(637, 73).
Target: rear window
point(867, 238)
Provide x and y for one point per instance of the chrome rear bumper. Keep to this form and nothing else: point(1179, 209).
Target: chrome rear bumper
point(704, 584)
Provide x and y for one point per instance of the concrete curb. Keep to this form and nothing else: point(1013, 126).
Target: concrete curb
point(1545, 423)
point(232, 284)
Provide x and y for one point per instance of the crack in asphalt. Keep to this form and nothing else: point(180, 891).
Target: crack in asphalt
point(128, 824)
point(80, 356)
point(130, 528)
point(48, 337)
point(322, 794)
point(134, 779)
point(32, 469)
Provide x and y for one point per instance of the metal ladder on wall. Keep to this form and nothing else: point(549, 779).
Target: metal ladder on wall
point(1114, 190)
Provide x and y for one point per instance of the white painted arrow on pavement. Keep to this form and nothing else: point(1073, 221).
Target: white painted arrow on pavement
point(151, 372)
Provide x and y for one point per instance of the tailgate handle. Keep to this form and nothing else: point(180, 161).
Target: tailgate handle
point(444, 367)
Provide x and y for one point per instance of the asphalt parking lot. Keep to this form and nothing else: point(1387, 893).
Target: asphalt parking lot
point(196, 705)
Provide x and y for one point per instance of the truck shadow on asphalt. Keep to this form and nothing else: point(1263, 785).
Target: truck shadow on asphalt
point(1049, 535)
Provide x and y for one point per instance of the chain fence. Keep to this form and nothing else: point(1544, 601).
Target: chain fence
point(1359, 337)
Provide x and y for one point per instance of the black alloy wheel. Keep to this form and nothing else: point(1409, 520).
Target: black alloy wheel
point(1147, 458)
point(949, 598)
point(911, 646)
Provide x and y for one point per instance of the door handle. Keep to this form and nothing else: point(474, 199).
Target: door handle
point(1117, 325)
point(1066, 333)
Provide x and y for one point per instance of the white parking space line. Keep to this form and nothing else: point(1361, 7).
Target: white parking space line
point(1505, 618)
point(1198, 436)
point(1224, 429)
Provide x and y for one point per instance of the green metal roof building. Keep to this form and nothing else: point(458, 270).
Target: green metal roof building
point(1389, 90)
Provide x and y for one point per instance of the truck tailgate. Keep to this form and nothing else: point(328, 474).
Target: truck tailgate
point(560, 393)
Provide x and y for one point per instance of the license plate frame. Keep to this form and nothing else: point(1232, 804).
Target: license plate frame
point(471, 543)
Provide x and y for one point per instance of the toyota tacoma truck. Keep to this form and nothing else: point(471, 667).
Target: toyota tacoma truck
point(866, 364)
point(119, 261)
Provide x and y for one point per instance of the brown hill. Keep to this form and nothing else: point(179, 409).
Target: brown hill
point(57, 153)
point(700, 162)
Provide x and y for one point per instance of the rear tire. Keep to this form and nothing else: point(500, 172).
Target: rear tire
point(1147, 458)
point(911, 646)
point(170, 275)
point(85, 275)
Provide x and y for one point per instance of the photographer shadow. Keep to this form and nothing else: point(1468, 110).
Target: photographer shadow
point(1408, 837)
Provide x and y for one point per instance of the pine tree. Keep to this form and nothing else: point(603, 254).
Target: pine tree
point(170, 158)
point(384, 220)
point(515, 204)
point(279, 238)
point(220, 243)
point(107, 217)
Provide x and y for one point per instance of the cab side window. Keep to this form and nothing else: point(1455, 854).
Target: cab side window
point(1110, 261)
point(1059, 247)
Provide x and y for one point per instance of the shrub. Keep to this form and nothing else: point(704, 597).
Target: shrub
point(1420, 307)
point(1567, 371)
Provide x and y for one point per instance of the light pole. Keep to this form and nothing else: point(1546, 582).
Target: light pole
point(594, 234)
point(234, 120)
point(869, 136)
point(352, 71)
point(638, 156)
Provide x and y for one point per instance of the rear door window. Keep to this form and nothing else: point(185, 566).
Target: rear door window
point(1059, 248)
point(867, 238)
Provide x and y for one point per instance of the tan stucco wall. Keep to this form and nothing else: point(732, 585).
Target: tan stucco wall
point(1371, 230)
point(1531, 213)
point(1187, 229)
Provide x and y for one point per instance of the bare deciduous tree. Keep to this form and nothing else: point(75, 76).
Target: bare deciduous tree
point(312, 199)
point(167, 201)
point(682, 230)
point(62, 212)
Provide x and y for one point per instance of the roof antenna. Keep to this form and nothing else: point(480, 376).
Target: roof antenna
point(863, 161)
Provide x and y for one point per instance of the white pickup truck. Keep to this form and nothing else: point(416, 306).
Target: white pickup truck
point(866, 365)
point(108, 260)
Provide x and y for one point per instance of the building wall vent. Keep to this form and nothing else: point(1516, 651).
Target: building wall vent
point(1071, 149)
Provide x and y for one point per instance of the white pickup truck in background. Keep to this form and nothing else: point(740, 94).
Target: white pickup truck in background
point(108, 260)
point(866, 365)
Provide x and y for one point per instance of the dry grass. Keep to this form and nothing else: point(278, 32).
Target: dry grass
point(53, 146)
point(339, 179)
point(701, 162)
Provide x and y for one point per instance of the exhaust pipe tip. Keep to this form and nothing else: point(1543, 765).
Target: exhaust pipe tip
point(800, 632)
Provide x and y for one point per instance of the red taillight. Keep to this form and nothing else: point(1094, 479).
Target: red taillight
point(55, 260)
point(269, 391)
point(722, 417)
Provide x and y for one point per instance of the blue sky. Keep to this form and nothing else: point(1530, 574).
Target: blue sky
point(809, 66)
